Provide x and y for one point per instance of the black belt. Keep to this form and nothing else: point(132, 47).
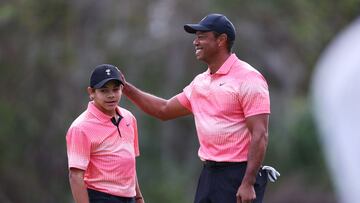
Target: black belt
point(94, 193)
point(208, 163)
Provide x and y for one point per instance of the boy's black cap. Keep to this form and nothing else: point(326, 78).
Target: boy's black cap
point(213, 22)
point(104, 73)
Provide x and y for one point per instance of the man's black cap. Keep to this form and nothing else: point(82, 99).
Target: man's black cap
point(213, 22)
point(104, 73)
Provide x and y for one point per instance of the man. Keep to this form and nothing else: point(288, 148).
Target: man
point(231, 106)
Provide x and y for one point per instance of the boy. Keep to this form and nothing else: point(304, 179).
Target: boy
point(102, 144)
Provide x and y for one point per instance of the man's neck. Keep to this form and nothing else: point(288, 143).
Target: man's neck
point(215, 65)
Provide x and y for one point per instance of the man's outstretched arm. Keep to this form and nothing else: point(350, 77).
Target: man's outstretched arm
point(155, 106)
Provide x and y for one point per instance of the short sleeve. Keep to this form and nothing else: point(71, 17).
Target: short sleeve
point(254, 95)
point(184, 100)
point(184, 97)
point(78, 148)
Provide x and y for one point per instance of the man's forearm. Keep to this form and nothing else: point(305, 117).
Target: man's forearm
point(258, 127)
point(256, 156)
point(148, 103)
point(79, 190)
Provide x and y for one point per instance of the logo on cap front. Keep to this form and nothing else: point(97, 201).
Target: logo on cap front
point(107, 71)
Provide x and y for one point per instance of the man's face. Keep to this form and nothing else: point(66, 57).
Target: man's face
point(107, 98)
point(206, 45)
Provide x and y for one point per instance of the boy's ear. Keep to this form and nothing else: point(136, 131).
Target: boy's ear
point(91, 92)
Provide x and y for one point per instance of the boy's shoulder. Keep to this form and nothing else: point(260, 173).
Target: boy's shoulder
point(82, 119)
point(125, 113)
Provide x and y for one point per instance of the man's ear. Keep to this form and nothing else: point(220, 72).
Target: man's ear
point(222, 39)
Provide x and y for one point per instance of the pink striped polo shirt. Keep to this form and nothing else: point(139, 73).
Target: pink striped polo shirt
point(220, 102)
point(94, 145)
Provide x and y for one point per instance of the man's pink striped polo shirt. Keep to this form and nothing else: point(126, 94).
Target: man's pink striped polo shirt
point(94, 145)
point(220, 102)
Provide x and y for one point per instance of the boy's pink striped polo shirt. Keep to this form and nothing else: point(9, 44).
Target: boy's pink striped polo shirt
point(220, 102)
point(94, 145)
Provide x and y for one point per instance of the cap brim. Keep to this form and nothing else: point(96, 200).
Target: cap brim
point(102, 83)
point(192, 28)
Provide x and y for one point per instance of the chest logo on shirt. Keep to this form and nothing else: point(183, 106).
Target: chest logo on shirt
point(221, 84)
point(127, 124)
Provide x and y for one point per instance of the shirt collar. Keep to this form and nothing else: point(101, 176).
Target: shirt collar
point(99, 114)
point(226, 66)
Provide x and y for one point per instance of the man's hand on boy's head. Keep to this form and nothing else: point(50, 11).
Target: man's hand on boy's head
point(125, 84)
point(122, 77)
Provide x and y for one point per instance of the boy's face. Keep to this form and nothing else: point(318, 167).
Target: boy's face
point(107, 98)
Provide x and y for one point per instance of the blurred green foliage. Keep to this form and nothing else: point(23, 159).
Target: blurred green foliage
point(49, 47)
